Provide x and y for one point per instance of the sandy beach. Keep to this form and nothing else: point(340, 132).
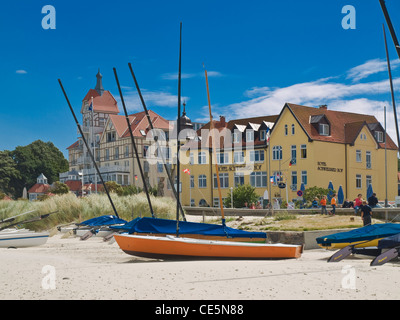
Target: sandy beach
point(94, 269)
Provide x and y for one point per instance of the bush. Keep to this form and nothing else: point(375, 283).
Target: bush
point(241, 194)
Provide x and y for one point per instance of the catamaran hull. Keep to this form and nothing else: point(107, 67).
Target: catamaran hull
point(364, 237)
point(19, 239)
point(172, 247)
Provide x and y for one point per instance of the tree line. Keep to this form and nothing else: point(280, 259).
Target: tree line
point(20, 168)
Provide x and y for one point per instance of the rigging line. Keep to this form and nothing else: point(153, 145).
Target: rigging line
point(134, 145)
point(156, 140)
point(214, 149)
point(88, 150)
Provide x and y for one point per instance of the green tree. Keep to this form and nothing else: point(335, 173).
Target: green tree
point(112, 186)
point(34, 159)
point(310, 193)
point(8, 173)
point(59, 188)
point(241, 194)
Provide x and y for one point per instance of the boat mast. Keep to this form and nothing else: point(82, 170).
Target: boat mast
point(134, 144)
point(178, 130)
point(88, 149)
point(396, 43)
point(390, 26)
point(171, 182)
point(215, 152)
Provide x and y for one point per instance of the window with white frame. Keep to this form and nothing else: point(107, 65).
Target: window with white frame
point(238, 178)
point(379, 136)
point(249, 135)
point(286, 129)
point(202, 181)
point(277, 153)
point(222, 158)
point(304, 177)
point(293, 153)
point(324, 129)
point(191, 158)
point(258, 179)
point(202, 157)
point(293, 129)
point(294, 181)
point(238, 157)
point(236, 136)
point(223, 180)
point(263, 135)
point(358, 156)
point(257, 156)
point(358, 181)
point(368, 159)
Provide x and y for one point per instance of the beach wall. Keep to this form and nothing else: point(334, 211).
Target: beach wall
point(385, 214)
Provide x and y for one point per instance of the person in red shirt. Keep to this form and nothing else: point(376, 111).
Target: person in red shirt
point(358, 203)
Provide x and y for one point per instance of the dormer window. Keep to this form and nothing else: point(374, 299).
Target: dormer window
point(321, 124)
point(249, 135)
point(263, 134)
point(324, 129)
point(379, 136)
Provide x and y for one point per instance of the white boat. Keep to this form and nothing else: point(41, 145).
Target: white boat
point(22, 238)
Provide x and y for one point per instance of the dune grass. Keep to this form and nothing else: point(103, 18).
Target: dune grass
point(72, 209)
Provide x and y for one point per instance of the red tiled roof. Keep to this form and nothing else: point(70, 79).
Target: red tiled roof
point(39, 188)
point(105, 103)
point(74, 185)
point(138, 122)
point(345, 126)
point(74, 145)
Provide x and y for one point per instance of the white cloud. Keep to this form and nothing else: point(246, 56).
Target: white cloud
point(151, 98)
point(370, 67)
point(174, 75)
point(314, 93)
point(364, 98)
point(21, 72)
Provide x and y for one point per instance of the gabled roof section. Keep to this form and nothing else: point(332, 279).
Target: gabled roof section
point(344, 126)
point(138, 123)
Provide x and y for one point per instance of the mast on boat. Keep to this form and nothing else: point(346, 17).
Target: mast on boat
point(178, 130)
point(396, 43)
point(171, 182)
point(134, 145)
point(88, 149)
point(214, 151)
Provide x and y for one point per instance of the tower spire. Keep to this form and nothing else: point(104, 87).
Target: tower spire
point(99, 85)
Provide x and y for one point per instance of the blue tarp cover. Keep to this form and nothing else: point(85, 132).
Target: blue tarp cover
point(165, 226)
point(102, 221)
point(374, 231)
point(389, 242)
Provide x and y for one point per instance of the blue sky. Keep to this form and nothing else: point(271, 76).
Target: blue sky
point(259, 55)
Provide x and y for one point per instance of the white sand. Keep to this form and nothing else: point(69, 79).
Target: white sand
point(93, 269)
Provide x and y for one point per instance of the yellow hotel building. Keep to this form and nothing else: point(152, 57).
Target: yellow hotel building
point(306, 145)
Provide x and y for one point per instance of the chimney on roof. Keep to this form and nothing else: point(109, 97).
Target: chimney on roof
point(222, 120)
point(99, 85)
point(323, 106)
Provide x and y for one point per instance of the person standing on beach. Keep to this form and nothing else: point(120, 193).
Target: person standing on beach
point(323, 205)
point(333, 204)
point(366, 213)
